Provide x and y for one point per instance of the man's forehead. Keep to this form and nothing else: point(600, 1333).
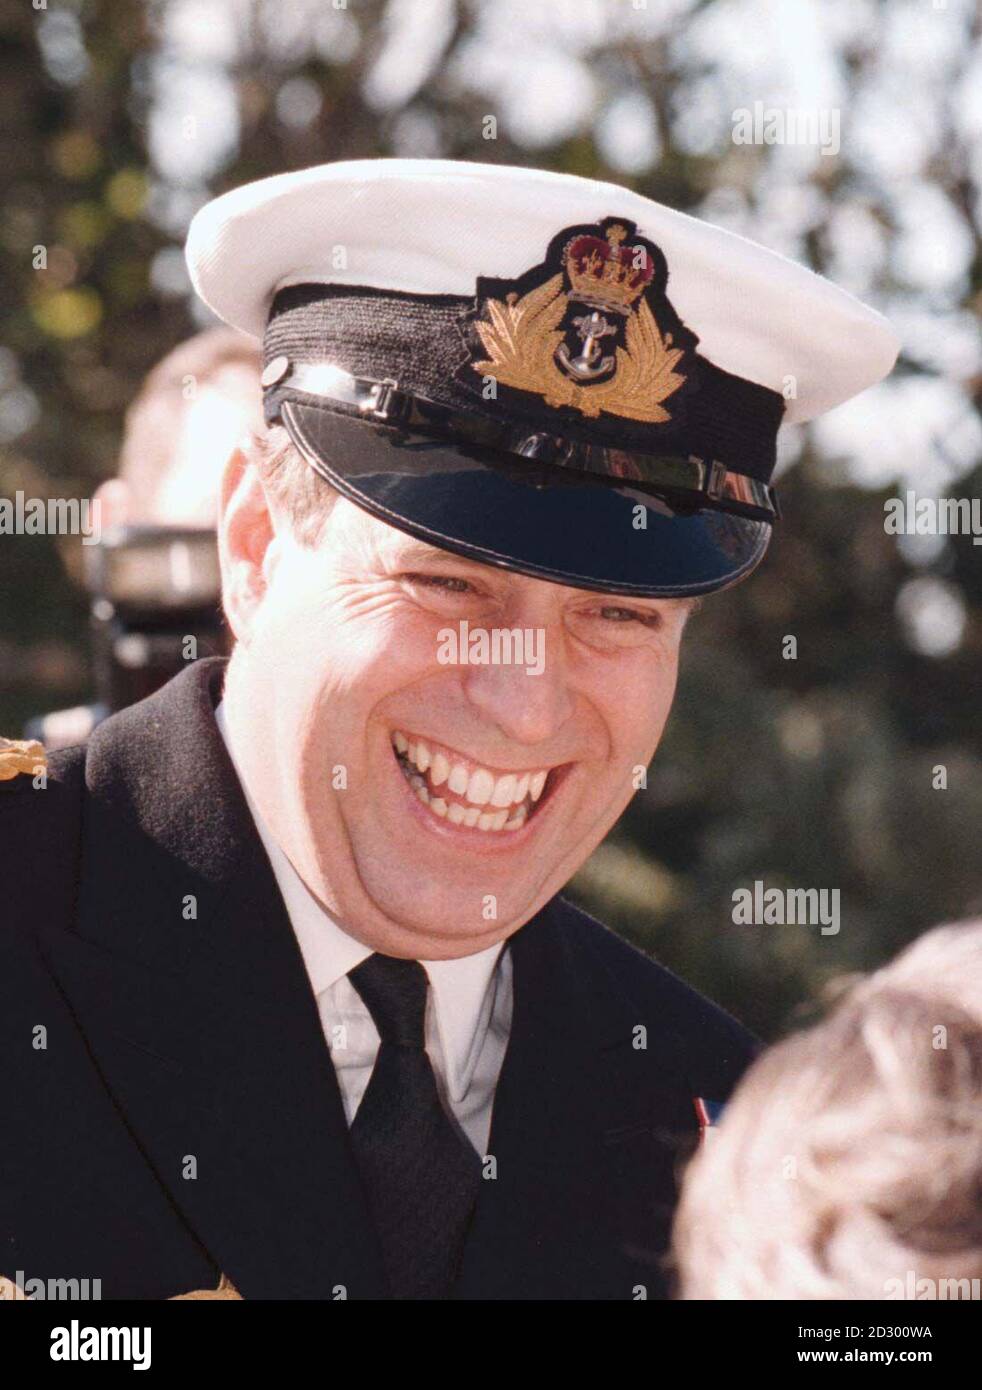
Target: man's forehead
point(398, 549)
point(410, 550)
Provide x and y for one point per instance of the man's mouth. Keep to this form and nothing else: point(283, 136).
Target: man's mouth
point(455, 788)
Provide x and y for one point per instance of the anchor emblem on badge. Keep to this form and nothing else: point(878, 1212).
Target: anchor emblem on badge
point(591, 328)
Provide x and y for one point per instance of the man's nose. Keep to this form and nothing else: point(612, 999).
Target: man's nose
point(528, 705)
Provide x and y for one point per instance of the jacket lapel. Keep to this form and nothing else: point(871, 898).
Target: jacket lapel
point(584, 1137)
point(187, 981)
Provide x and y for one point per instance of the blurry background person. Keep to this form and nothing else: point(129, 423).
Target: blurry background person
point(153, 578)
point(848, 1164)
point(191, 412)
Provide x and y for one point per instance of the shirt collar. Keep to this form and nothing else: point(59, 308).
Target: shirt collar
point(462, 989)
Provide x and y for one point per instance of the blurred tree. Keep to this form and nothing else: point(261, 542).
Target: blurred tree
point(120, 119)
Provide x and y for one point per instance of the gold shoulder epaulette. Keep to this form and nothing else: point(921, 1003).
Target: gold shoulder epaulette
point(21, 755)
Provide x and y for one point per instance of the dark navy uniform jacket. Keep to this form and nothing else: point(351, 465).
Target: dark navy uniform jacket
point(168, 1103)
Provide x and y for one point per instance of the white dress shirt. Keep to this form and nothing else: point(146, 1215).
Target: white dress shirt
point(468, 1008)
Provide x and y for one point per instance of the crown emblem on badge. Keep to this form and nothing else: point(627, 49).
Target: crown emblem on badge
point(607, 274)
point(585, 335)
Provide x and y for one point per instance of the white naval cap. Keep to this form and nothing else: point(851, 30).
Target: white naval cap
point(432, 226)
point(511, 363)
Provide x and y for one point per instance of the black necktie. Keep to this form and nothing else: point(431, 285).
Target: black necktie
point(421, 1175)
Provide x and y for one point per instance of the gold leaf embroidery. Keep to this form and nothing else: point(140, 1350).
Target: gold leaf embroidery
point(521, 336)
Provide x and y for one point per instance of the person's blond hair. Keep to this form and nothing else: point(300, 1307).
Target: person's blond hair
point(848, 1164)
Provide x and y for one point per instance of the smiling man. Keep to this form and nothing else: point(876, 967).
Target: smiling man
point(292, 1007)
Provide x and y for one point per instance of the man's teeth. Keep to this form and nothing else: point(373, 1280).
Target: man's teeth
point(509, 797)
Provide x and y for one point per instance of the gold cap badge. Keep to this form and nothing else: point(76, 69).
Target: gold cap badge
point(582, 329)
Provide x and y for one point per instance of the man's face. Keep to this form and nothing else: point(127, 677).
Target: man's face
point(376, 761)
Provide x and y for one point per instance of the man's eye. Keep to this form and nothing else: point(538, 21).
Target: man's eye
point(629, 615)
point(449, 583)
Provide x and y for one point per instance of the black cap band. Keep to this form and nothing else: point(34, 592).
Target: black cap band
point(693, 481)
point(427, 344)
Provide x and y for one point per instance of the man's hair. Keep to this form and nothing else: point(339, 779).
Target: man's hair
point(302, 495)
point(222, 359)
point(849, 1162)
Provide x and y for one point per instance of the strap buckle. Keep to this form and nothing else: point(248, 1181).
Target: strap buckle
point(716, 480)
point(385, 401)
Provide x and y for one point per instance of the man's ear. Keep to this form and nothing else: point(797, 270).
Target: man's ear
point(246, 543)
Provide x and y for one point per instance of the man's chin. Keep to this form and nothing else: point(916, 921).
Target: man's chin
point(454, 890)
point(469, 924)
